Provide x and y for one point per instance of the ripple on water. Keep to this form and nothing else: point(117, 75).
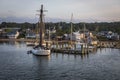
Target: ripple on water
point(16, 64)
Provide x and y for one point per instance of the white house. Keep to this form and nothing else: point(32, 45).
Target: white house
point(13, 35)
point(30, 35)
point(75, 36)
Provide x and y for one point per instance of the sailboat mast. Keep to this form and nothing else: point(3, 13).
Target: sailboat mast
point(84, 31)
point(49, 34)
point(71, 27)
point(41, 27)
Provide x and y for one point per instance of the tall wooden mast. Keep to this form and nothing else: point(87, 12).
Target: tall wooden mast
point(41, 27)
point(71, 28)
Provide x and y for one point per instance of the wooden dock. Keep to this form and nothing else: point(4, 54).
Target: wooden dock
point(68, 51)
point(73, 51)
point(108, 44)
point(56, 46)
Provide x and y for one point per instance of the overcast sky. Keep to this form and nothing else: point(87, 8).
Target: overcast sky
point(83, 10)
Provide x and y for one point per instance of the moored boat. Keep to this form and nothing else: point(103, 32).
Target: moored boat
point(40, 50)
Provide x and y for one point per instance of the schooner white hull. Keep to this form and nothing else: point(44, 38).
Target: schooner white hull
point(41, 52)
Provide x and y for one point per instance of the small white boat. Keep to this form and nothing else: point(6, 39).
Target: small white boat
point(40, 51)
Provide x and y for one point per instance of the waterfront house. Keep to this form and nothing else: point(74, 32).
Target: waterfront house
point(13, 34)
point(30, 35)
point(102, 33)
point(89, 38)
point(1, 30)
point(65, 37)
point(109, 35)
point(3, 34)
point(75, 36)
point(10, 32)
point(51, 31)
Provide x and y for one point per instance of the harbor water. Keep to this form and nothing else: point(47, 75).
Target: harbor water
point(16, 64)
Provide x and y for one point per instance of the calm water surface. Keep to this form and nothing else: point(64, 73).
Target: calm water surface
point(16, 64)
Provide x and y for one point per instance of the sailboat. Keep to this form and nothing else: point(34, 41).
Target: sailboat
point(40, 49)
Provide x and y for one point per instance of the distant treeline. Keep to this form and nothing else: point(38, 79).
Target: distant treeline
point(64, 27)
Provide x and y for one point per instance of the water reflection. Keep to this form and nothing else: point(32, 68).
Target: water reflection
point(40, 58)
point(16, 64)
point(40, 61)
point(69, 56)
point(13, 43)
point(81, 55)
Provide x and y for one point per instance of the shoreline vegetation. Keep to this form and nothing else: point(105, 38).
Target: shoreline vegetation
point(64, 27)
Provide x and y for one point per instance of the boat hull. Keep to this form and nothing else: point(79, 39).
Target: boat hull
point(41, 52)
